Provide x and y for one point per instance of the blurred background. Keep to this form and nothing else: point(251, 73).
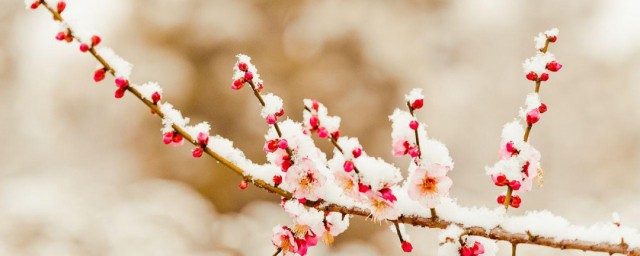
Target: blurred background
point(82, 173)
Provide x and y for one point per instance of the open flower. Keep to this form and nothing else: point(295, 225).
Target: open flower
point(305, 179)
point(427, 185)
point(284, 239)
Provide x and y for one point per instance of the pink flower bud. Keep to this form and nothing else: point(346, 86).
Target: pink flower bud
point(514, 184)
point(388, 195)
point(35, 4)
point(243, 66)
point(363, 188)
point(515, 201)
point(203, 138)
point(348, 166)
point(95, 40)
point(286, 165)
point(243, 184)
point(466, 251)
point(177, 138)
point(544, 77)
point(510, 148)
point(501, 199)
point(61, 6)
point(414, 124)
point(238, 84)
point(280, 113)
point(478, 248)
point(99, 75)
point(122, 82)
point(335, 135)
point(314, 122)
point(84, 47)
point(554, 66)
point(501, 180)
point(155, 97)
point(248, 76)
point(270, 146)
point(61, 36)
point(322, 132)
point(197, 152)
point(283, 144)
point(356, 152)
point(532, 76)
point(120, 92)
point(277, 180)
point(167, 138)
point(414, 151)
point(417, 104)
point(533, 116)
point(302, 200)
point(542, 108)
point(315, 105)
point(271, 119)
point(406, 246)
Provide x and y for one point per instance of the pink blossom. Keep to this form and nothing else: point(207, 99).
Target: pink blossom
point(381, 208)
point(284, 239)
point(427, 185)
point(305, 179)
point(348, 183)
point(400, 148)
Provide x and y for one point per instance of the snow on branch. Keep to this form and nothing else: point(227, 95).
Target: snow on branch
point(322, 194)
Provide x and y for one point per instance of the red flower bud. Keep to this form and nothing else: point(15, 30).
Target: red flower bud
point(243, 184)
point(315, 105)
point(501, 199)
point(155, 97)
point(414, 151)
point(61, 36)
point(544, 77)
point(122, 82)
point(335, 135)
point(515, 201)
point(35, 4)
point(286, 165)
point(406, 246)
point(532, 76)
point(314, 122)
point(283, 144)
point(270, 146)
point(302, 200)
point(99, 75)
point(533, 116)
point(514, 184)
point(510, 148)
point(84, 47)
point(417, 104)
point(357, 152)
point(238, 84)
point(167, 137)
point(542, 108)
point(95, 40)
point(348, 166)
point(363, 188)
point(552, 39)
point(120, 92)
point(243, 66)
point(277, 180)
point(322, 132)
point(501, 180)
point(197, 152)
point(280, 113)
point(554, 66)
point(414, 124)
point(271, 119)
point(61, 6)
point(248, 76)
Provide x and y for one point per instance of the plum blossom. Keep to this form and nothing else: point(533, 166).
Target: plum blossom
point(284, 239)
point(454, 242)
point(427, 185)
point(306, 180)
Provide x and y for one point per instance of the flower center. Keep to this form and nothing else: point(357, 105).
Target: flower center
point(429, 185)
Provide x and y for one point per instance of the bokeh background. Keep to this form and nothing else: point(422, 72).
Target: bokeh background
point(82, 173)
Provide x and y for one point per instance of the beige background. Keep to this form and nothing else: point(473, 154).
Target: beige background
point(82, 173)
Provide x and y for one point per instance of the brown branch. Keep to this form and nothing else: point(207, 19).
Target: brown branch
point(275, 125)
point(496, 233)
point(527, 132)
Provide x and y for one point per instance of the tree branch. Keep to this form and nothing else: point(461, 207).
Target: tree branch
point(496, 233)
